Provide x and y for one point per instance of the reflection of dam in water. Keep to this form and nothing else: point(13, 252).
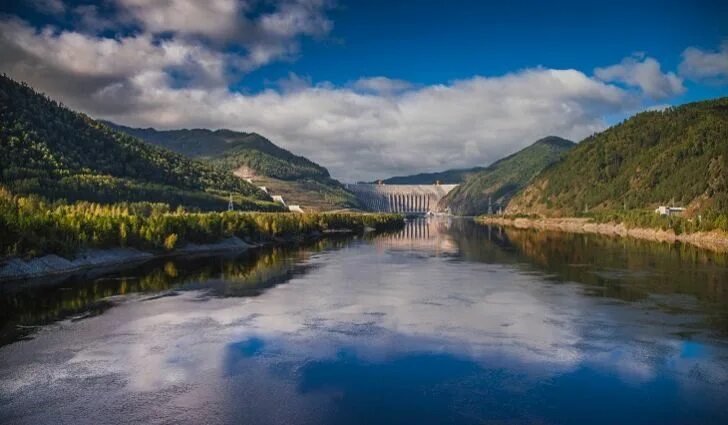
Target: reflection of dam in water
point(400, 198)
point(424, 235)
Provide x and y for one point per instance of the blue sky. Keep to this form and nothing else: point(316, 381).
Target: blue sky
point(432, 42)
point(371, 88)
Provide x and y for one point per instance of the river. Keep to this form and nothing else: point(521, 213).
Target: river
point(447, 321)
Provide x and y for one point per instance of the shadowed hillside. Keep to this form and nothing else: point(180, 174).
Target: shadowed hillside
point(231, 150)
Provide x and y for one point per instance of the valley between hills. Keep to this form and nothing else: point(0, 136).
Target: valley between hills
point(67, 178)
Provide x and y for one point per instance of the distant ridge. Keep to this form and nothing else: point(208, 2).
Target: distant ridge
point(231, 149)
point(496, 184)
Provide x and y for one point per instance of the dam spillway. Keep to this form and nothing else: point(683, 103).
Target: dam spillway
point(400, 198)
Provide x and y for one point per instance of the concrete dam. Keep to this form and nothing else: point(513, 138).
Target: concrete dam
point(400, 198)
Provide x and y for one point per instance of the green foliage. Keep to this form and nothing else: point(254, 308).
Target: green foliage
point(50, 150)
point(170, 242)
point(31, 226)
point(504, 178)
point(678, 155)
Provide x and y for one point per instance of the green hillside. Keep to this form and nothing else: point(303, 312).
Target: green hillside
point(50, 150)
point(678, 155)
point(249, 155)
point(231, 150)
point(501, 180)
point(453, 176)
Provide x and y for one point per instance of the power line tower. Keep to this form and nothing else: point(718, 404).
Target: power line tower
point(231, 206)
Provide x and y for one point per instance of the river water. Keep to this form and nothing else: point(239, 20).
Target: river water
point(447, 321)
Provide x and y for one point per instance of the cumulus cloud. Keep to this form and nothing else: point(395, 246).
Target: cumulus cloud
point(705, 65)
point(645, 73)
point(293, 83)
point(365, 129)
point(362, 136)
point(381, 85)
point(90, 18)
point(216, 18)
point(266, 36)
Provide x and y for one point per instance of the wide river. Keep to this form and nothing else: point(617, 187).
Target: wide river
point(445, 322)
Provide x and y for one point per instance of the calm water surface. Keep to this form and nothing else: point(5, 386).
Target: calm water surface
point(446, 322)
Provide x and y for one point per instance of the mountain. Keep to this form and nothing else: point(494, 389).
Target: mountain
point(252, 156)
point(677, 155)
point(453, 176)
point(48, 149)
point(502, 179)
point(232, 150)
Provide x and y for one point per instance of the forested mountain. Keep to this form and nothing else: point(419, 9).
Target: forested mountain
point(502, 179)
point(250, 155)
point(48, 149)
point(232, 150)
point(453, 176)
point(678, 155)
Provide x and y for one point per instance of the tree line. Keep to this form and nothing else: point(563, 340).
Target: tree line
point(31, 226)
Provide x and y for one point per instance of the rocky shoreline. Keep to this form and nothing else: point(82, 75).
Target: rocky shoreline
point(714, 241)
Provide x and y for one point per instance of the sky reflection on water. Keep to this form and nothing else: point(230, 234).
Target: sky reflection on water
point(448, 323)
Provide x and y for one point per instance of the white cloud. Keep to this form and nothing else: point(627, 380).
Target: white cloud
point(265, 36)
point(704, 65)
point(47, 55)
point(361, 136)
point(381, 85)
point(644, 73)
point(90, 18)
point(297, 17)
point(216, 18)
point(365, 129)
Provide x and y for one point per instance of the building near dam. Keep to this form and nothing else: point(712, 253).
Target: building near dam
point(400, 198)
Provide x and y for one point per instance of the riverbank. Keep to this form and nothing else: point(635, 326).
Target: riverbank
point(117, 239)
point(33, 227)
point(715, 240)
point(54, 265)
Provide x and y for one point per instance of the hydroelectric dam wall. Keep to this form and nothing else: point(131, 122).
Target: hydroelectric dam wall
point(400, 198)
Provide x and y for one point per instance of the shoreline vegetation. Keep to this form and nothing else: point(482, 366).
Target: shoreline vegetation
point(671, 231)
point(40, 237)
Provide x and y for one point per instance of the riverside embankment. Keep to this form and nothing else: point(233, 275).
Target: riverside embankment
point(231, 232)
point(715, 240)
point(54, 265)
